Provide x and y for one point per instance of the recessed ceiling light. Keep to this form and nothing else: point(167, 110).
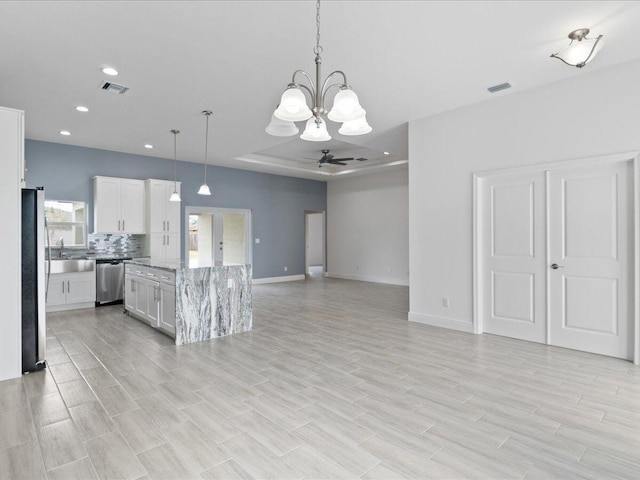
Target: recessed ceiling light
point(109, 71)
point(80, 108)
point(66, 133)
point(386, 153)
point(148, 145)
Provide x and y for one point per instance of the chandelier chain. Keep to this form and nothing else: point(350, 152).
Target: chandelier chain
point(317, 49)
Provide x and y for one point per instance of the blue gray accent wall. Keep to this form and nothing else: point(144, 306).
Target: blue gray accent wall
point(277, 203)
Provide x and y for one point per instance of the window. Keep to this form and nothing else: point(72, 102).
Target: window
point(67, 222)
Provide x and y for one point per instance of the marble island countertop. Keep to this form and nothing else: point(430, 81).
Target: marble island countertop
point(173, 265)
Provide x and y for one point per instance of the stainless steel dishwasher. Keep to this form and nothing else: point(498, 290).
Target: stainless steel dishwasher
point(109, 281)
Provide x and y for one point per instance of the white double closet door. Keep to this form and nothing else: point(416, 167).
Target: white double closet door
point(557, 257)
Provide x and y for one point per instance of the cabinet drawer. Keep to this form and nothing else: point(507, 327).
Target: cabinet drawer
point(167, 277)
point(135, 270)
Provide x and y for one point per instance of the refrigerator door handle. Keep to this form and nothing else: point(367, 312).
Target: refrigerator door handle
point(42, 284)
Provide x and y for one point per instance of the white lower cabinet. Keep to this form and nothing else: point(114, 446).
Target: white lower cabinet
point(150, 296)
point(68, 291)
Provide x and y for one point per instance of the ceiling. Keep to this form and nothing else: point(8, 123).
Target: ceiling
point(405, 59)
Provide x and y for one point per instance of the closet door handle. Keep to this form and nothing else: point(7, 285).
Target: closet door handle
point(555, 266)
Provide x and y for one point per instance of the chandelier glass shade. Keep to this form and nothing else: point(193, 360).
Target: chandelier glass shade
point(281, 128)
point(315, 131)
point(581, 50)
point(175, 196)
point(293, 105)
point(359, 126)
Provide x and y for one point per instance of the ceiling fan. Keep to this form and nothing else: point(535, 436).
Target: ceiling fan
point(328, 158)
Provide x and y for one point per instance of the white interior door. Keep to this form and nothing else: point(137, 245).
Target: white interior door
point(590, 218)
point(513, 256)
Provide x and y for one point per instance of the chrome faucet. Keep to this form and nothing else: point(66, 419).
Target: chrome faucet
point(61, 253)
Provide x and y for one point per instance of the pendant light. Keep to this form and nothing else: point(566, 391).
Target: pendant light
point(204, 188)
point(293, 103)
point(175, 196)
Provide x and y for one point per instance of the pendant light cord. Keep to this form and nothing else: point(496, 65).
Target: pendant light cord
point(206, 146)
point(175, 161)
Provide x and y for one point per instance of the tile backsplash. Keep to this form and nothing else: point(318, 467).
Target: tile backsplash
point(105, 245)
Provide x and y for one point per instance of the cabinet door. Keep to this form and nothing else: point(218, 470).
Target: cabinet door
point(153, 302)
point(157, 245)
point(172, 210)
point(57, 290)
point(130, 293)
point(106, 210)
point(157, 200)
point(141, 297)
point(168, 311)
point(172, 246)
point(81, 288)
point(132, 206)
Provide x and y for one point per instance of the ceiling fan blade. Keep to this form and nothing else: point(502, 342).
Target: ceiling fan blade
point(362, 159)
point(337, 163)
point(343, 159)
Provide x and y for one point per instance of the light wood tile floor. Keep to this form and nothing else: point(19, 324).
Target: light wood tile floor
point(333, 382)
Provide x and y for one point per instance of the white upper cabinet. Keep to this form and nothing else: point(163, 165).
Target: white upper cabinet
point(119, 205)
point(163, 220)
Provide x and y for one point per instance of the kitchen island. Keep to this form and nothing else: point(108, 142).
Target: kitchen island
point(191, 304)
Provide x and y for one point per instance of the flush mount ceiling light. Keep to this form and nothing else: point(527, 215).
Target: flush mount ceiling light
point(82, 109)
point(175, 196)
point(66, 133)
point(581, 50)
point(293, 104)
point(204, 188)
point(110, 71)
point(148, 145)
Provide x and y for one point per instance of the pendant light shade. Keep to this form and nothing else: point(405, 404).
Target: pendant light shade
point(293, 106)
point(175, 196)
point(581, 50)
point(346, 106)
point(204, 188)
point(281, 128)
point(359, 126)
point(315, 131)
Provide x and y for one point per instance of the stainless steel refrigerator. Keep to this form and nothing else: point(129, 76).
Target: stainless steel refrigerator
point(34, 334)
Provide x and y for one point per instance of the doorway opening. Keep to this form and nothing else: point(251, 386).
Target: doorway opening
point(314, 238)
point(217, 236)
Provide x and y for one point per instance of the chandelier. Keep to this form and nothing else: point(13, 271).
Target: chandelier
point(293, 104)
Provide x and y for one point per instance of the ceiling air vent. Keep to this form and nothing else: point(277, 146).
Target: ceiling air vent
point(497, 88)
point(113, 87)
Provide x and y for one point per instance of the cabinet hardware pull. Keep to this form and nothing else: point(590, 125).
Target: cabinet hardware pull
point(63, 286)
point(68, 286)
point(163, 239)
point(118, 225)
point(164, 226)
point(168, 227)
point(133, 285)
point(123, 225)
point(167, 239)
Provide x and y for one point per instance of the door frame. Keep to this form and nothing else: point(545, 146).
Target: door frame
point(306, 238)
point(248, 235)
point(478, 210)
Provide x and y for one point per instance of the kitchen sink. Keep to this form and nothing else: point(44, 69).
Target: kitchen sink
point(71, 266)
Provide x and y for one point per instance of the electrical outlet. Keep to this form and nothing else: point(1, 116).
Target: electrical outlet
point(257, 240)
point(445, 302)
point(286, 268)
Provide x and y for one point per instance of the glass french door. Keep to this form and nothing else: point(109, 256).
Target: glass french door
point(218, 236)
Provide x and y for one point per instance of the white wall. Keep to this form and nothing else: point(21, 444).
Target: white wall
point(11, 150)
point(593, 113)
point(315, 231)
point(368, 227)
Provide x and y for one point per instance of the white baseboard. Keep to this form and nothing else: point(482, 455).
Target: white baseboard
point(368, 278)
point(75, 306)
point(287, 278)
point(451, 323)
